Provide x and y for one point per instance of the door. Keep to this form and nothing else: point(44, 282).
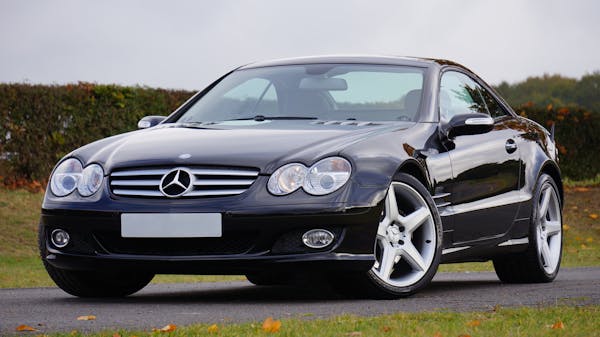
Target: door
point(485, 167)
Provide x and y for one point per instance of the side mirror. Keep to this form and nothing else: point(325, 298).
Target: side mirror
point(150, 121)
point(468, 124)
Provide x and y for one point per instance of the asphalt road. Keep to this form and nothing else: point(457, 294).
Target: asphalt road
point(49, 309)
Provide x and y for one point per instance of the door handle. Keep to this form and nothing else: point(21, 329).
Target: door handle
point(510, 146)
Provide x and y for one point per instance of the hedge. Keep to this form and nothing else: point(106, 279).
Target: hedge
point(41, 123)
point(577, 134)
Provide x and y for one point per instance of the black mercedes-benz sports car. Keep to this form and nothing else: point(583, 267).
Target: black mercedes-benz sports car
point(366, 171)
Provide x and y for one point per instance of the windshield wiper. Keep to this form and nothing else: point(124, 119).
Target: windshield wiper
point(260, 118)
point(195, 125)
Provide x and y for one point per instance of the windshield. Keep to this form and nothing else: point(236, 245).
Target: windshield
point(313, 91)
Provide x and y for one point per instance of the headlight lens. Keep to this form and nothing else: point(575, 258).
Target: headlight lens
point(66, 177)
point(287, 179)
point(327, 175)
point(91, 180)
point(324, 177)
point(70, 176)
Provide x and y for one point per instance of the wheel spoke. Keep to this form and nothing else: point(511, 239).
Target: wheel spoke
point(545, 250)
point(391, 205)
point(415, 219)
point(552, 227)
point(413, 257)
point(388, 260)
point(545, 202)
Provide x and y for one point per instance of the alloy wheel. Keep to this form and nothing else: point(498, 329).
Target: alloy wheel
point(549, 229)
point(406, 237)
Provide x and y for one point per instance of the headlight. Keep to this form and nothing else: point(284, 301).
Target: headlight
point(66, 177)
point(324, 177)
point(327, 175)
point(70, 175)
point(91, 180)
point(287, 179)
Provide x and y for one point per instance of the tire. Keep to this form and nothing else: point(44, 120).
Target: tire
point(413, 233)
point(537, 264)
point(90, 283)
point(267, 279)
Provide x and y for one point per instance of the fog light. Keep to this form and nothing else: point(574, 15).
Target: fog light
point(59, 238)
point(317, 238)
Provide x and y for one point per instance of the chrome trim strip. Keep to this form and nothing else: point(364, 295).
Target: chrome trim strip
point(455, 249)
point(135, 182)
point(207, 193)
point(157, 172)
point(217, 172)
point(479, 121)
point(513, 242)
point(507, 198)
point(441, 195)
point(142, 193)
point(223, 182)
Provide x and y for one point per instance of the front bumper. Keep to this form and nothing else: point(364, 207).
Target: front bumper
point(250, 243)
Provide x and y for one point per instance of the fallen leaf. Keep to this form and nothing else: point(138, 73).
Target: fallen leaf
point(86, 318)
point(116, 334)
point(589, 239)
point(437, 334)
point(464, 335)
point(213, 329)
point(271, 325)
point(24, 327)
point(166, 328)
point(593, 216)
point(474, 323)
point(386, 329)
point(558, 325)
point(582, 189)
point(354, 333)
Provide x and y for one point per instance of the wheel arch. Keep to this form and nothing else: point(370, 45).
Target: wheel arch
point(414, 169)
point(550, 168)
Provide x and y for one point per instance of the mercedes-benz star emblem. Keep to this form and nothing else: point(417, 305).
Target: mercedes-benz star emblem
point(176, 183)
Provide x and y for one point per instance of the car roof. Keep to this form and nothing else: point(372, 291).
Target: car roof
point(358, 59)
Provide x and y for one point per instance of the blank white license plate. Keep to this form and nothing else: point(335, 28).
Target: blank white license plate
point(171, 225)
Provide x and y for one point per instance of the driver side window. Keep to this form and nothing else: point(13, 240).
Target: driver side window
point(459, 94)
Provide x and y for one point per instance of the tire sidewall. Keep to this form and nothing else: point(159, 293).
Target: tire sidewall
point(543, 180)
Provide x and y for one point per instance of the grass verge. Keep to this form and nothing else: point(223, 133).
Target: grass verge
point(20, 266)
point(545, 321)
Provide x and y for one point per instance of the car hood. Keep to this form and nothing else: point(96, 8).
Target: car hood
point(263, 145)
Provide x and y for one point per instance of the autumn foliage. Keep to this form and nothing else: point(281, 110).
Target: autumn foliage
point(577, 137)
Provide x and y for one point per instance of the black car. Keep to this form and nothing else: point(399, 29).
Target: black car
point(365, 171)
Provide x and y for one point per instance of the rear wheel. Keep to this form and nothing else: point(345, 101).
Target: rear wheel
point(541, 261)
point(408, 243)
point(91, 283)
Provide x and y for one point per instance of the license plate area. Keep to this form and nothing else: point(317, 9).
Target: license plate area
point(171, 225)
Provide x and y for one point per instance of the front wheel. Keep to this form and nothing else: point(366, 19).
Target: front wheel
point(541, 261)
point(408, 243)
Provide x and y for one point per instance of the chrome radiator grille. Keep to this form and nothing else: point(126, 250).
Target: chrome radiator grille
point(207, 182)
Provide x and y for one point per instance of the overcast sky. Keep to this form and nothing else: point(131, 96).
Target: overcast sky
point(188, 44)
